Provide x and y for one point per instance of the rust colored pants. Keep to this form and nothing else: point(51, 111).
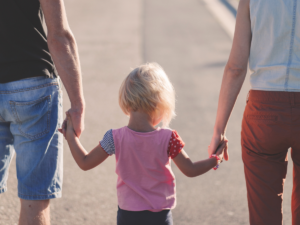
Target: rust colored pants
point(271, 125)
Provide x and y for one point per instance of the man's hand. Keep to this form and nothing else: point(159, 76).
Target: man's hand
point(70, 132)
point(77, 118)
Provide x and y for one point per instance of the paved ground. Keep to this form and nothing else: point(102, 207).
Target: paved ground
point(114, 36)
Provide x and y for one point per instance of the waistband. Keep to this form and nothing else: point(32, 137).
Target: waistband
point(274, 96)
point(27, 84)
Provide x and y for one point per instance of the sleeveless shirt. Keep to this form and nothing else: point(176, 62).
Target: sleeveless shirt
point(274, 59)
point(24, 51)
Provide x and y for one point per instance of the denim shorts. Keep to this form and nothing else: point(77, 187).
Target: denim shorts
point(30, 114)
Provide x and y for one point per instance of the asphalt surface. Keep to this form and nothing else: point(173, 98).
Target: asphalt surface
point(188, 42)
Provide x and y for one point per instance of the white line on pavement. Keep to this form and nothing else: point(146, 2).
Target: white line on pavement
point(225, 17)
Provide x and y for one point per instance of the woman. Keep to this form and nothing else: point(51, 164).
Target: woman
point(268, 35)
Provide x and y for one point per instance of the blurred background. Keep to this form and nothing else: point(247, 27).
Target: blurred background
point(191, 40)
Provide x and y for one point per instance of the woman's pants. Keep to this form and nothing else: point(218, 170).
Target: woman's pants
point(271, 125)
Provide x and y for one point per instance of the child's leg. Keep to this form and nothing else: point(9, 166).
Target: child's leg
point(163, 217)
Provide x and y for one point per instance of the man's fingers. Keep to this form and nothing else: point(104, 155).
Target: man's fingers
point(76, 120)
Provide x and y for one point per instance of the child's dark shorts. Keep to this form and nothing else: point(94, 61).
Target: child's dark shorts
point(163, 217)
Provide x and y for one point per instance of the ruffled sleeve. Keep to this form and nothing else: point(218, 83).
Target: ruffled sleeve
point(107, 143)
point(176, 144)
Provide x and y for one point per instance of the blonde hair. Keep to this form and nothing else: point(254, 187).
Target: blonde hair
point(148, 88)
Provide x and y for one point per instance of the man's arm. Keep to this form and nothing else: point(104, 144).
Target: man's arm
point(63, 49)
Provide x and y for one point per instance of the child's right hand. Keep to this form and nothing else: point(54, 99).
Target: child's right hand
point(222, 147)
point(69, 129)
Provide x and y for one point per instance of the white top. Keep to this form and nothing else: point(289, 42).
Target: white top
point(275, 48)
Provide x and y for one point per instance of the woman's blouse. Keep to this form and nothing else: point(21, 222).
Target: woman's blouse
point(275, 48)
point(145, 179)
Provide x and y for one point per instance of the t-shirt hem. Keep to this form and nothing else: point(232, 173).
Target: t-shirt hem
point(274, 89)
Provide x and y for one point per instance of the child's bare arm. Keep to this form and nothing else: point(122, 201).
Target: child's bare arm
point(191, 169)
point(85, 160)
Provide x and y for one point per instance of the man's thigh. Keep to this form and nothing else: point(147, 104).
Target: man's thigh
point(34, 110)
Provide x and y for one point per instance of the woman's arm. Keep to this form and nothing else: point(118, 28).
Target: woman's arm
point(84, 160)
point(190, 169)
point(234, 74)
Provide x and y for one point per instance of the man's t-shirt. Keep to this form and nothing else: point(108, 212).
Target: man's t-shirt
point(24, 51)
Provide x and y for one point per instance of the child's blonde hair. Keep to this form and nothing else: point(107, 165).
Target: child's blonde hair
point(148, 88)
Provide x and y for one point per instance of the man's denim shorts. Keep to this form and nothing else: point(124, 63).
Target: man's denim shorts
point(30, 114)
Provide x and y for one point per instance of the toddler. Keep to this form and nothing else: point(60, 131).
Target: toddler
point(146, 183)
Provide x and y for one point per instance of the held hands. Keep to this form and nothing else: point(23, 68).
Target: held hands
point(69, 127)
point(77, 119)
point(216, 143)
point(220, 153)
point(222, 149)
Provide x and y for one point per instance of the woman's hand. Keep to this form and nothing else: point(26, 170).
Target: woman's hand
point(214, 147)
point(222, 150)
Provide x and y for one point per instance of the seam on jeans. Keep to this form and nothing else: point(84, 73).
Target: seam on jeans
point(262, 117)
point(32, 102)
point(2, 120)
point(291, 46)
point(29, 89)
point(48, 114)
point(14, 111)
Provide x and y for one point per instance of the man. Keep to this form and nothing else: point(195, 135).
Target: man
point(31, 101)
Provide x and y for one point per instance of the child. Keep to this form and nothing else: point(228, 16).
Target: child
point(146, 183)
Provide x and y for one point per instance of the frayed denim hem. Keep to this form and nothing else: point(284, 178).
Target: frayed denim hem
point(40, 197)
point(4, 189)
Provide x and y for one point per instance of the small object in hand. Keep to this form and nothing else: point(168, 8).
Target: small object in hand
point(218, 160)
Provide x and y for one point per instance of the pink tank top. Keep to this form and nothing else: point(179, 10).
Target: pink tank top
point(145, 179)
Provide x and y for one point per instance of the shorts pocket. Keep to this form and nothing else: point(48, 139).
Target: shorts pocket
point(33, 117)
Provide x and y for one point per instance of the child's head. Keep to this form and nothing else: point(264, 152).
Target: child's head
point(147, 88)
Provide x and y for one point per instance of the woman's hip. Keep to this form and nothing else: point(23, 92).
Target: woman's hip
point(271, 121)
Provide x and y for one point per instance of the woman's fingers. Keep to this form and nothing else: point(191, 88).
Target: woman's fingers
point(222, 146)
point(226, 153)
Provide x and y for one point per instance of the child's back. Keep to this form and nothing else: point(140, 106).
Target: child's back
point(146, 183)
point(145, 178)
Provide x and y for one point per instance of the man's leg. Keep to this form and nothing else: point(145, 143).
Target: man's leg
point(35, 116)
point(35, 212)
